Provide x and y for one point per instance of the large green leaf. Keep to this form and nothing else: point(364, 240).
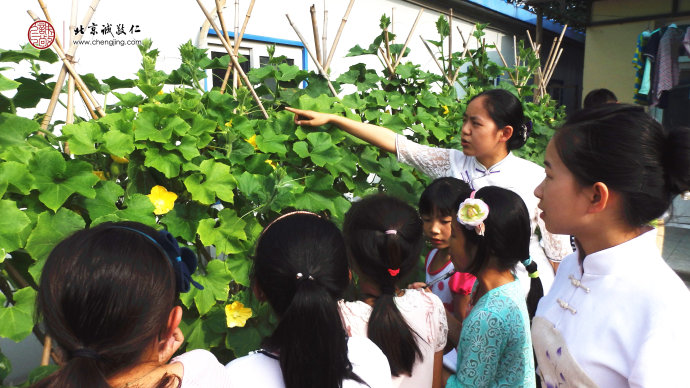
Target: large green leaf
point(17, 320)
point(50, 229)
point(7, 84)
point(167, 162)
point(57, 179)
point(216, 284)
point(213, 181)
point(105, 202)
point(204, 332)
point(225, 234)
point(82, 137)
point(12, 223)
point(15, 177)
point(183, 220)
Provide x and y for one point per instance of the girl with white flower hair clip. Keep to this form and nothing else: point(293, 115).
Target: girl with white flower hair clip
point(490, 235)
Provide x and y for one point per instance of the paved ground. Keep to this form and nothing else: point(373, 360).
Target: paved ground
point(676, 250)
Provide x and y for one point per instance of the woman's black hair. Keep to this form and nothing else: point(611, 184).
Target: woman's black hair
point(105, 296)
point(384, 238)
point(506, 238)
point(301, 267)
point(506, 109)
point(598, 97)
point(623, 147)
point(442, 196)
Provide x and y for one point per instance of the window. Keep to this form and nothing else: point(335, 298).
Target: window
point(253, 48)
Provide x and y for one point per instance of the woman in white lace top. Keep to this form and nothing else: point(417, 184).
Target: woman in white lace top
point(494, 124)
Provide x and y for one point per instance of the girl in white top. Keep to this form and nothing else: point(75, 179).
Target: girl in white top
point(384, 238)
point(301, 269)
point(494, 125)
point(617, 315)
point(108, 298)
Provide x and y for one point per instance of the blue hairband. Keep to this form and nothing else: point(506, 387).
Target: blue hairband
point(183, 260)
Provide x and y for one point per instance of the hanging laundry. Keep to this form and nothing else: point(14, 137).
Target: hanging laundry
point(686, 42)
point(667, 71)
point(649, 52)
point(639, 65)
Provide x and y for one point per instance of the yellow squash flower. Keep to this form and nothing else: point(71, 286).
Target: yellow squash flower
point(445, 109)
point(99, 174)
point(236, 314)
point(229, 124)
point(271, 163)
point(162, 199)
point(252, 141)
point(118, 159)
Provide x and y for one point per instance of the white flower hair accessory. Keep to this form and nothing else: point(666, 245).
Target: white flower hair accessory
point(472, 213)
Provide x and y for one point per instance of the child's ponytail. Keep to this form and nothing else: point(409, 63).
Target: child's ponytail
point(536, 290)
point(311, 338)
point(384, 238)
point(301, 268)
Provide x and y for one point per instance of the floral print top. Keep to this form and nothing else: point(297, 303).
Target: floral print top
point(495, 348)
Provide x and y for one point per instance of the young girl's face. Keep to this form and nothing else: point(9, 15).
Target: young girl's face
point(561, 197)
point(458, 251)
point(437, 229)
point(480, 135)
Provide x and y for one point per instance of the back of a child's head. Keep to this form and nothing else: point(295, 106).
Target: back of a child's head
point(301, 267)
point(506, 237)
point(623, 147)
point(105, 296)
point(441, 196)
point(599, 97)
point(384, 239)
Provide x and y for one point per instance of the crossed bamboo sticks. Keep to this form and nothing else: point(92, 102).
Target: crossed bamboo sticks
point(448, 74)
point(319, 57)
point(544, 72)
point(233, 58)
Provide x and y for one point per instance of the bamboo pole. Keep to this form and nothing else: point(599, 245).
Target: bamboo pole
point(387, 61)
point(324, 36)
point(436, 60)
point(238, 39)
point(450, 42)
point(553, 68)
point(311, 54)
point(235, 80)
point(409, 36)
point(337, 35)
point(224, 31)
point(387, 55)
point(233, 57)
point(47, 345)
point(70, 83)
point(63, 72)
point(73, 72)
point(315, 27)
point(512, 78)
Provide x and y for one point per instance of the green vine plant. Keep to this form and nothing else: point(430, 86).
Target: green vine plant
point(211, 170)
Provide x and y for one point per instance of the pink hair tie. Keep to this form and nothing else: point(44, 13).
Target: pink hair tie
point(391, 231)
point(393, 272)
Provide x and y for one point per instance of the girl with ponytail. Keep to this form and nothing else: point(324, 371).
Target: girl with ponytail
point(300, 268)
point(384, 239)
point(108, 297)
point(490, 235)
point(617, 315)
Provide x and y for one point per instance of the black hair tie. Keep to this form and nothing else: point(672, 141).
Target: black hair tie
point(85, 353)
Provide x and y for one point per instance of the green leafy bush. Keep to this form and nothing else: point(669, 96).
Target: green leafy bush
point(231, 170)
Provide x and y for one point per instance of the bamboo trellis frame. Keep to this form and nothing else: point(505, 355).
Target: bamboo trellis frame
point(233, 58)
point(448, 74)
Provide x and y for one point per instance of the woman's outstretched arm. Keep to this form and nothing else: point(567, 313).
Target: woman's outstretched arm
point(380, 137)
